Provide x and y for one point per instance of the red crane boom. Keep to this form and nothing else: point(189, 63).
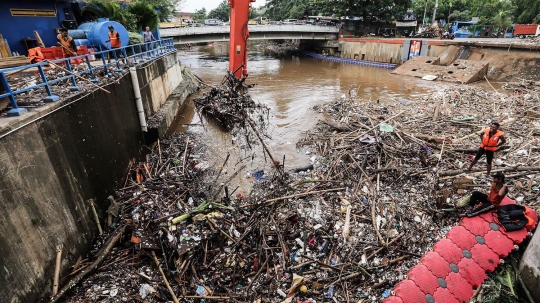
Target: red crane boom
point(239, 35)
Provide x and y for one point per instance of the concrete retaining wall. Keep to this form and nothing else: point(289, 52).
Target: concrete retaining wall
point(53, 161)
point(372, 51)
point(158, 80)
point(506, 62)
point(529, 267)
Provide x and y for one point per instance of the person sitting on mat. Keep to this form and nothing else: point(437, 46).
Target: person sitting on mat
point(490, 201)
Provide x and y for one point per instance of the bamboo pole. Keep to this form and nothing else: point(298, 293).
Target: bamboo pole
point(175, 299)
point(57, 270)
point(90, 268)
point(96, 217)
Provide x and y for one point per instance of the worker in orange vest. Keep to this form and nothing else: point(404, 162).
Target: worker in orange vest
point(492, 138)
point(114, 38)
point(35, 55)
point(67, 43)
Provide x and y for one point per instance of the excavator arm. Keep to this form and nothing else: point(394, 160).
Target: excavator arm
point(239, 37)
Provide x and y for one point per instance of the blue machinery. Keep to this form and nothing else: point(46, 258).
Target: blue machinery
point(138, 53)
point(94, 34)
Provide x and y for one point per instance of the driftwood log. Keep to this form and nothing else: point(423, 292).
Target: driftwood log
point(506, 169)
point(336, 125)
point(94, 265)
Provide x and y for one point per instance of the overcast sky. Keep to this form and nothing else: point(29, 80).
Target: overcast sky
point(191, 5)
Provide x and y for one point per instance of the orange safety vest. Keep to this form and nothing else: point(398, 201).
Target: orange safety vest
point(115, 42)
point(66, 43)
point(493, 195)
point(35, 55)
point(490, 143)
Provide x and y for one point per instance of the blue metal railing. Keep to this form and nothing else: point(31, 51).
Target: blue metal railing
point(133, 53)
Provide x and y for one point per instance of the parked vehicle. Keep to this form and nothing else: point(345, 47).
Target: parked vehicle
point(447, 35)
point(212, 22)
point(289, 21)
point(252, 22)
point(262, 20)
point(526, 30)
point(499, 34)
point(424, 35)
point(461, 29)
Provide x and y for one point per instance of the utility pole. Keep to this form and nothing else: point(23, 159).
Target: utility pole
point(425, 9)
point(435, 10)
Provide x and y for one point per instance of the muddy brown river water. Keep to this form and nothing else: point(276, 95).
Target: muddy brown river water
point(291, 86)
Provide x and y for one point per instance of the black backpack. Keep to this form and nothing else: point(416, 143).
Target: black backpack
point(512, 217)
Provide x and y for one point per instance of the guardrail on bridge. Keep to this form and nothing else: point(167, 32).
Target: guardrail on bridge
point(204, 30)
point(134, 54)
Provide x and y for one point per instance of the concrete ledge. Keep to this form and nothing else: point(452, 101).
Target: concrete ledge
point(160, 122)
point(460, 71)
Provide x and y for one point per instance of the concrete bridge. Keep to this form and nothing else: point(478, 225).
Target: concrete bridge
point(184, 35)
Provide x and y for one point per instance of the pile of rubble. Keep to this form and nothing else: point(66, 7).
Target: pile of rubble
point(383, 189)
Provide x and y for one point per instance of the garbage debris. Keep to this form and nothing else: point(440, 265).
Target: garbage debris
point(346, 229)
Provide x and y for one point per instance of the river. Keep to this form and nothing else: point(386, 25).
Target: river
point(291, 86)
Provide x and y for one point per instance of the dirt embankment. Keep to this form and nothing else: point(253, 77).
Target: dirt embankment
point(505, 64)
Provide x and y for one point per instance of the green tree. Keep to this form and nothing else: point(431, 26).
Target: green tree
point(501, 20)
point(527, 11)
point(199, 15)
point(222, 12)
point(367, 10)
point(111, 10)
point(145, 15)
point(289, 9)
point(256, 12)
point(488, 9)
point(164, 8)
point(460, 16)
point(445, 10)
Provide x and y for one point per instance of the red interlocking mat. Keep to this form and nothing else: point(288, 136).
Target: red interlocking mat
point(409, 292)
point(436, 264)
point(461, 237)
point(448, 250)
point(393, 300)
point(423, 278)
point(443, 295)
point(475, 226)
point(499, 243)
point(485, 257)
point(459, 287)
point(472, 272)
point(458, 264)
point(517, 235)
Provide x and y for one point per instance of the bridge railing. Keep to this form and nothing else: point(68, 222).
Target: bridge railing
point(305, 28)
point(89, 64)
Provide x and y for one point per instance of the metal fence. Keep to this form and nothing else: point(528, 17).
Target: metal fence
point(106, 60)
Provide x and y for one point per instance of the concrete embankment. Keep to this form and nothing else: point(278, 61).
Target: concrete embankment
point(505, 60)
point(55, 158)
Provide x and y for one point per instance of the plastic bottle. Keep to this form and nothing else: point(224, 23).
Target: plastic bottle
point(330, 292)
point(322, 246)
